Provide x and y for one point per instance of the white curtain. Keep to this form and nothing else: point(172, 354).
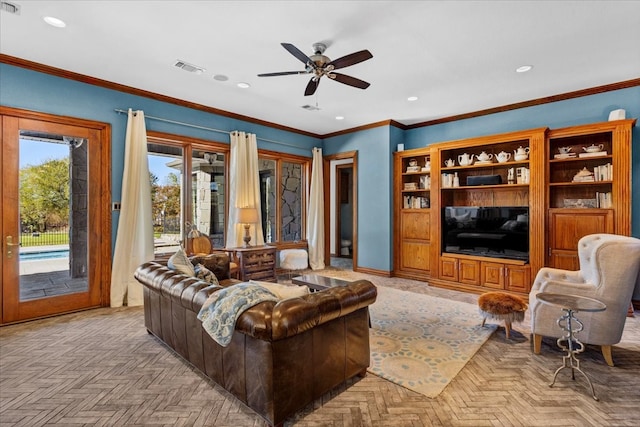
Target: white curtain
point(134, 241)
point(244, 188)
point(315, 219)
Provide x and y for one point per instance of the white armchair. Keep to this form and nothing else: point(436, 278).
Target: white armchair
point(609, 267)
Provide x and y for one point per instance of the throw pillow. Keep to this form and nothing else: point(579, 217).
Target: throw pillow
point(181, 263)
point(283, 291)
point(206, 275)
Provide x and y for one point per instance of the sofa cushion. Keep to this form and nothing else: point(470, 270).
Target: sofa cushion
point(204, 274)
point(181, 263)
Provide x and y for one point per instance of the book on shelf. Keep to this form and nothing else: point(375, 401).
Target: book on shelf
point(416, 202)
point(596, 154)
point(410, 186)
point(565, 156)
point(590, 178)
point(603, 172)
point(425, 182)
point(604, 200)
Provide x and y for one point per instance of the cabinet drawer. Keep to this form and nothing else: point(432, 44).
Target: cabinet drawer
point(259, 260)
point(264, 275)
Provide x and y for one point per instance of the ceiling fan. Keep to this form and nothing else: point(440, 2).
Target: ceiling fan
point(319, 65)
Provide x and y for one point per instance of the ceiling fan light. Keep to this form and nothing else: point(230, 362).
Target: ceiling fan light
point(243, 85)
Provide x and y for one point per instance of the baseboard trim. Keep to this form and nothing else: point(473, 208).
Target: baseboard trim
point(372, 271)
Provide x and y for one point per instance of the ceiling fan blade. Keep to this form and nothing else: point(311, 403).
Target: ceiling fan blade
point(348, 80)
point(352, 59)
point(297, 53)
point(282, 73)
point(312, 86)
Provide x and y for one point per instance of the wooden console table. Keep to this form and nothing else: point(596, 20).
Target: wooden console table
point(255, 263)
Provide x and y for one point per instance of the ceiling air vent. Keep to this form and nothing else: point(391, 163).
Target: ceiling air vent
point(310, 107)
point(189, 67)
point(10, 7)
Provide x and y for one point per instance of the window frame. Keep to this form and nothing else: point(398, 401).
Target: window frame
point(188, 146)
point(305, 178)
point(191, 144)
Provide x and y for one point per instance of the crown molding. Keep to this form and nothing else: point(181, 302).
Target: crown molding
point(23, 63)
point(539, 101)
point(59, 72)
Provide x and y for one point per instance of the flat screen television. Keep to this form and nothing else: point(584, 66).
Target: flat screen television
point(496, 232)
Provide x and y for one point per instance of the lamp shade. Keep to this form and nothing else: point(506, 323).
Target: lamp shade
point(247, 215)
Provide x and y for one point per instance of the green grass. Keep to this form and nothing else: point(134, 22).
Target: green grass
point(55, 238)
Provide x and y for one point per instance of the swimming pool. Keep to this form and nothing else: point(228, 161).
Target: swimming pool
point(40, 255)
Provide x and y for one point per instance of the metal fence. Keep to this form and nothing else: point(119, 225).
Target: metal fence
point(58, 235)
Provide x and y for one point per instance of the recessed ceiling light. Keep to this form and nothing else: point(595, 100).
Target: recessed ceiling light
point(220, 77)
point(412, 98)
point(244, 85)
point(524, 68)
point(54, 22)
point(339, 117)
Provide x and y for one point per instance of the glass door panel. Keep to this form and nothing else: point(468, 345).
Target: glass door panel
point(208, 195)
point(166, 170)
point(53, 255)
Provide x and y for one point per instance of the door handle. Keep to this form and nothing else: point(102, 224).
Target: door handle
point(10, 245)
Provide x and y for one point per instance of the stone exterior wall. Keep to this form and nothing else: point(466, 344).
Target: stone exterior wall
point(291, 201)
point(79, 214)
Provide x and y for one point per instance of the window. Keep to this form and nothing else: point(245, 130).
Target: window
point(202, 206)
point(177, 212)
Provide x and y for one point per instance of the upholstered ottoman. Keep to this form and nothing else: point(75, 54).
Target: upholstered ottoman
point(502, 306)
point(293, 259)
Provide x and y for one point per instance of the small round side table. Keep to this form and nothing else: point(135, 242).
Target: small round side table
point(571, 304)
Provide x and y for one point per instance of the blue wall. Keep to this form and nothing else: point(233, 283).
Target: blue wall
point(36, 91)
point(375, 177)
point(30, 90)
point(572, 112)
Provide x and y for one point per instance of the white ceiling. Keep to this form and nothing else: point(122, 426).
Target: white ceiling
point(456, 56)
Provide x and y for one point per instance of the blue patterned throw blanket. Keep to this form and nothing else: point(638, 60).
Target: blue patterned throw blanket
point(221, 310)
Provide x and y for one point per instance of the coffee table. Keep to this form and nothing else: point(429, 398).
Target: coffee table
point(316, 282)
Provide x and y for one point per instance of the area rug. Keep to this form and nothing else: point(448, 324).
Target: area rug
point(422, 342)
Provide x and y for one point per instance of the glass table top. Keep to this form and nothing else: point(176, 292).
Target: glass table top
point(571, 302)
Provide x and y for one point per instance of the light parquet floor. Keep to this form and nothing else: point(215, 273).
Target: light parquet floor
point(101, 368)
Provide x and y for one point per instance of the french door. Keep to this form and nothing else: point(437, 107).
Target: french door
point(56, 223)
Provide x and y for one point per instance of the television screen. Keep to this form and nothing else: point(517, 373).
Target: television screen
point(497, 232)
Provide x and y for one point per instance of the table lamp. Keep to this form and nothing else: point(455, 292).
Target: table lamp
point(247, 216)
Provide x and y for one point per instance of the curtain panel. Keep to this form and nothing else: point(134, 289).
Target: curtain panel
point(315, 209)
point(134, 240)
point(244, 188)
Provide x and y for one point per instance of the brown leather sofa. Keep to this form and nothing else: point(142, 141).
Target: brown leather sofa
point(282, 355)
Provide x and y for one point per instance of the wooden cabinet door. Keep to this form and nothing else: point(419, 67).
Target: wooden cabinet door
point(449, 268)
point(469, 272)
point(415, 256)
point(414, 243)
point(492, 275)
point(567, 226)
point(416, 225)
point(518, 278)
